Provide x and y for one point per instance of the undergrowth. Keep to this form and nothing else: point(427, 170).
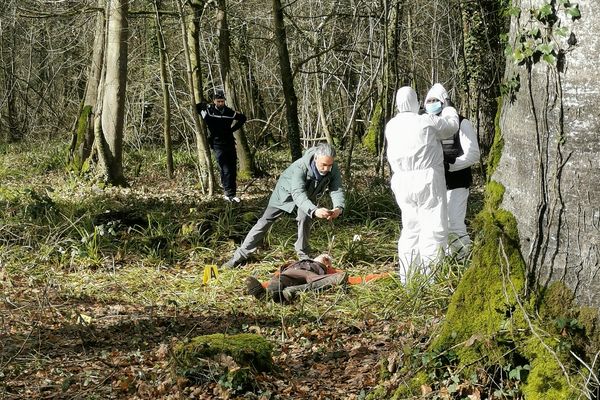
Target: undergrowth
point(92, 249)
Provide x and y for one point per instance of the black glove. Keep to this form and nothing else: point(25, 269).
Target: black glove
point(202, 106)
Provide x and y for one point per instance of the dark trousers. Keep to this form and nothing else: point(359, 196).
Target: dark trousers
point(256, 235)
point(227, 160)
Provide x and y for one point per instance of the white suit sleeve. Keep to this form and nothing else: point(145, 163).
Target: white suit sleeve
point(447, 123)
point(468, 142)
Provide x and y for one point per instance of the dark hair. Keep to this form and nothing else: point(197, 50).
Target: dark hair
point(219, 94)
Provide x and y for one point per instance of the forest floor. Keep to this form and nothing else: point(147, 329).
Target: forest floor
point(98, 284)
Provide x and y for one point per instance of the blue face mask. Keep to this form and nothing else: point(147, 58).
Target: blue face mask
point(433, 108)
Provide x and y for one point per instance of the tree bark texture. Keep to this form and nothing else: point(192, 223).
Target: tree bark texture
point(165, 91)
point(549, 165)
point(287, 81)
point(246, 166)
point(84, 133)
point(190, 29)
point(113, 107)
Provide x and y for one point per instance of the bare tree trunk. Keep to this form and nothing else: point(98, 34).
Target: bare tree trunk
point(254, 106)
point(246, 166)
point(483, 64)
point(191, 50)
point(320, 109)
point(113, 106)
point(8, 81)
point(193, 35)
point(287, 79)
point(165, 91)
point(389, 84)
point(83, 137)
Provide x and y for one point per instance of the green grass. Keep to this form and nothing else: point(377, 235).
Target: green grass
point(70, 247)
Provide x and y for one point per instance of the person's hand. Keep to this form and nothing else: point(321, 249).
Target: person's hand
point(202, 106)
point(322, 213)
point(336, 212)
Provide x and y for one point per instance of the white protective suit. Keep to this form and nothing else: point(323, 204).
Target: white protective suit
point(414, 152)
point(458, 237)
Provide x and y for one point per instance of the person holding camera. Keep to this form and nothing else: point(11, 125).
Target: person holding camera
point(298, 188)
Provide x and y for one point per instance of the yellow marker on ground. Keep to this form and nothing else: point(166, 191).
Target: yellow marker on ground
point(210, 272)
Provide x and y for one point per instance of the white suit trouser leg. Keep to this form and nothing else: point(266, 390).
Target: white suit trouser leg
point(422, 200)
point(408, 243)
point(458, 238)
point(434, 231)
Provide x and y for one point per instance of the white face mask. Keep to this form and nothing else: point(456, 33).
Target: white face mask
point(433, 108)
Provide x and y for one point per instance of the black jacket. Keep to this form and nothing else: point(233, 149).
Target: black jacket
point(221, 123)
point(452, 149)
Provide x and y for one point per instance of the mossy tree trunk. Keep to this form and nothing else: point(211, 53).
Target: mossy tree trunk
point(482, 64)
point(384, 109)
point(83, 137)
point(540, 197)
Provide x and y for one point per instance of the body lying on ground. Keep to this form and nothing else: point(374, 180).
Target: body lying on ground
point(295, 277)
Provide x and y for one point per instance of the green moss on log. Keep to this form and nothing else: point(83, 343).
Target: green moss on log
point(216, 357)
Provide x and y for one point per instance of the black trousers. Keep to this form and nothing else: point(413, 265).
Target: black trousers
point(227, 160)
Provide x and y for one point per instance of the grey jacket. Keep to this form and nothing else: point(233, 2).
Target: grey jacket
point(298, 187)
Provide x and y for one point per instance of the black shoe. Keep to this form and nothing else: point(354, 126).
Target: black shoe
point(254, 288)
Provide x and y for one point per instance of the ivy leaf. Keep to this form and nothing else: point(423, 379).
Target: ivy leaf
point(514, 11)
point(574, 12)
point(518, 56)
point(545, 48)
point(561, 31)
point(549, 58)
point(544, 11)
point(515, 374)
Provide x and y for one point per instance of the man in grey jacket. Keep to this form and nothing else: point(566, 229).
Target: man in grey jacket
point(297, 189)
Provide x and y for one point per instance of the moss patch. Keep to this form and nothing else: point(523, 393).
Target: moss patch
point(490, 323)
point(372, 138)
point(228, 359)
point(498, 144)
point(485, 301)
